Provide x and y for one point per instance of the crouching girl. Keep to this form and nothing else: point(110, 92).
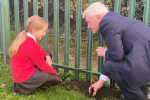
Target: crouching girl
point(30, 65)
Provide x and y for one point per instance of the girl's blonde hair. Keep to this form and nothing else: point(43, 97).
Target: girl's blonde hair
point(95, 9)
point(33, 22)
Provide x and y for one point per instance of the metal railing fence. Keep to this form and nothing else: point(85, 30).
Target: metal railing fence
point(5, 37)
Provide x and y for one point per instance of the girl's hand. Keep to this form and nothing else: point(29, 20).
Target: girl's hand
point(48, 60)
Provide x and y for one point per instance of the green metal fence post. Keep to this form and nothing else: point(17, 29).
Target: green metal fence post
point(7, 26)
point(100, 59)
point(25, 7)
point(35, 7)
point(131, 12)
point(67, 33)
point(146, 14)
point(1, 39)
point(78, 37)
point(45, 15)
point(101, 43)
point(117, 6)
point(3, 30)
point(35, 10)
point(56, 31)
point(16, 10)
point(89, 49)
point(103, 1)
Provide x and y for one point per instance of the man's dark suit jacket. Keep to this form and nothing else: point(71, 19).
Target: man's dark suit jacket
point(128, 42)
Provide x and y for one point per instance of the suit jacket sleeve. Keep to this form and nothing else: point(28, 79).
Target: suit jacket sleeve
point(112, 36)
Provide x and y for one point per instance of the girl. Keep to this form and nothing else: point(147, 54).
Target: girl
point(30, 65)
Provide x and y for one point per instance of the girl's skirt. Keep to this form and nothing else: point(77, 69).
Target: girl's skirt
point(35, 81)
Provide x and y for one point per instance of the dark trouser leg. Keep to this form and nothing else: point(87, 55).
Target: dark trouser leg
point(142, 98)
point(111, 69)
point(145, 90)
point(52, 80)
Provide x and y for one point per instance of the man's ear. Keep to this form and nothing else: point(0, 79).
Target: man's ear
point(99, 17)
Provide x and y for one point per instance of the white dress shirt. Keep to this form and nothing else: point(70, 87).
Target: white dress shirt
point(28, 34)
point(104, 77)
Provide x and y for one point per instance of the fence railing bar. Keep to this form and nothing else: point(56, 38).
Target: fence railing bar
point(117, 6)
point(35, 10)
point(7, 27)
point(45, 15)
point(101, 43)
point(103, 1)
point(76, 69)
point(35, 7)
point(131, 12)
point(146, 15)
point(67, 33)
point(89, 49)
point(3, 30)
point(1, 38)
point(100, 59)
point(25, 7)
point(16, 10)
point(78, 36)
point(56, 31)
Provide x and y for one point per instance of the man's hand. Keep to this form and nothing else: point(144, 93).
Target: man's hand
point(96, 86)
point(101, 51)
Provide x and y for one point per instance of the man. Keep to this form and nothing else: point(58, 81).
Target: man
point(128, 54)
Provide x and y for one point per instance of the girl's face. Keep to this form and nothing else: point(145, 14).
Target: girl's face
point(39, 34)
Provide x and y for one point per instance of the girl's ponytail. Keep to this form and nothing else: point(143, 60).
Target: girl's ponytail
point(15, 45)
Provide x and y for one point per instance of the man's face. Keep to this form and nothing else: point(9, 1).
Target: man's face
point(93, 23)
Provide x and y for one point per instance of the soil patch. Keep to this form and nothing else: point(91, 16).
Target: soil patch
point(83, 87)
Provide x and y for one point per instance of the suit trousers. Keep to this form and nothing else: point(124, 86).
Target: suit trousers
point(111, 69)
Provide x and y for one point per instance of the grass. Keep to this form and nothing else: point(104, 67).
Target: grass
point(52, 93)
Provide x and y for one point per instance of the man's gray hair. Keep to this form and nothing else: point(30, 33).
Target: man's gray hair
point(95, 9)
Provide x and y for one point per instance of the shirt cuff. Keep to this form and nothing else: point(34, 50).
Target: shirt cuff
point(104, 77)
point(105, 52)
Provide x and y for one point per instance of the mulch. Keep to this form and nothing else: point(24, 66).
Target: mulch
point(83, 87)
